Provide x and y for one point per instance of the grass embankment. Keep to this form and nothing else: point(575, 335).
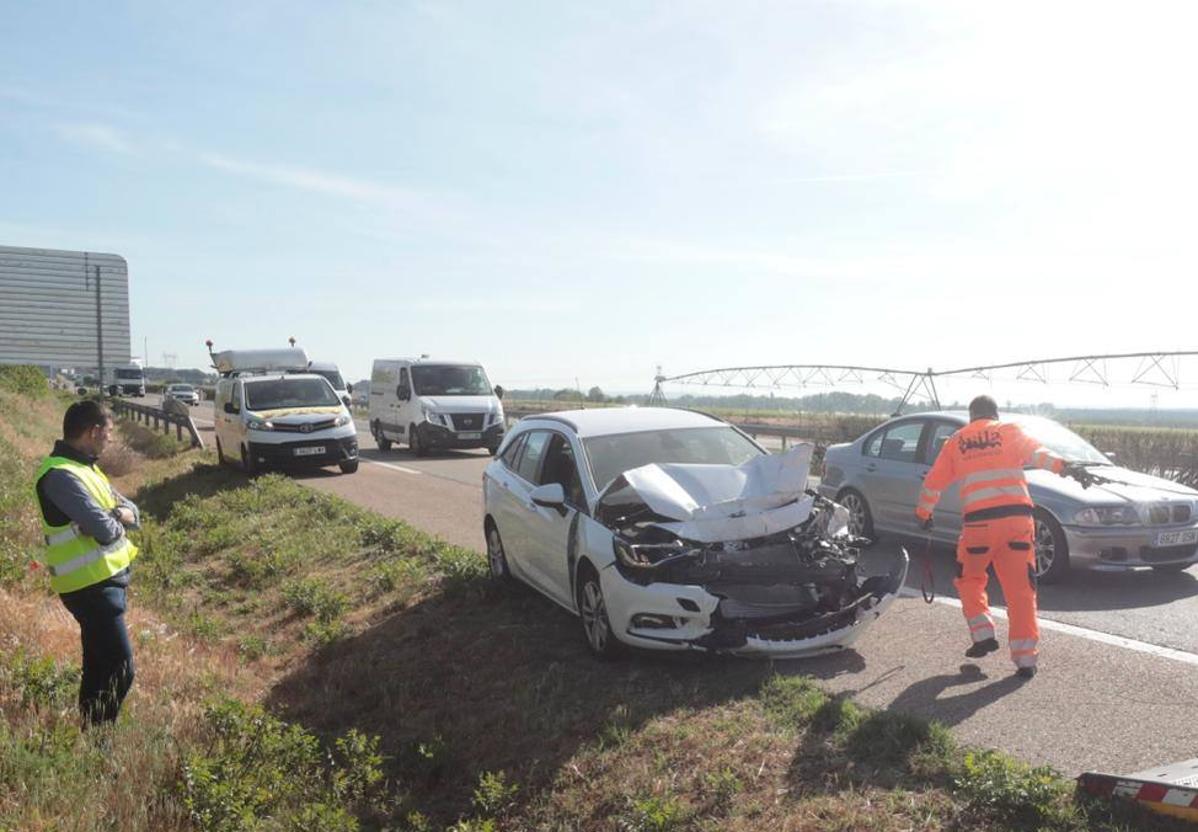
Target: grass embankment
point(304, 664)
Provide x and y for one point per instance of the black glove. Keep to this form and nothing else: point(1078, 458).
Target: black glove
point(926, 524)
point(1077, 472)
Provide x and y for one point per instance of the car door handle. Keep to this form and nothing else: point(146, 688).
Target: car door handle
point(871, 467)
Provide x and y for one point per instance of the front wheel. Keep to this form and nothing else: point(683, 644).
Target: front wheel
point(861, 520)
point(349, 466)
point(383, 442)
point(1052, 549)
point(592, 610)
point(414, 443)
point(248, 463)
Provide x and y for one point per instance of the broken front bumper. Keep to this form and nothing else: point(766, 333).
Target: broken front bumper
point(666, 616)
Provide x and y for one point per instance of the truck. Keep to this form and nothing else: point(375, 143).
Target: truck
point(127, 379)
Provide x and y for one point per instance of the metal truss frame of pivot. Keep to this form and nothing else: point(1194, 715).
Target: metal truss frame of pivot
point(1155, 369)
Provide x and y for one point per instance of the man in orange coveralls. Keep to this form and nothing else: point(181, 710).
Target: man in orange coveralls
point(987, 458)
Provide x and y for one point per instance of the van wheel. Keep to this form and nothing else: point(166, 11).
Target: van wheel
point(349, 466)
point(248, 463)
point(383, 442)
point(414, 443)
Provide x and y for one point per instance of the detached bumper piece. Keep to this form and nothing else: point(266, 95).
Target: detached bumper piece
point(310, 453)
point(437, 436)
point(1170, 790)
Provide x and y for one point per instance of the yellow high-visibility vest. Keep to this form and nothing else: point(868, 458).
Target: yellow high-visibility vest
point(76, 560)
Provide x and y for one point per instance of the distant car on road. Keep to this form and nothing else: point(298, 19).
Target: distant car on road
point(671, 530)
point(1135, 521)
point(182, 392)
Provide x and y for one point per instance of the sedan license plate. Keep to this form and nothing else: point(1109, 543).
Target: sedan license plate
point(470, 436)
point(1181, 538)
point(315, 450)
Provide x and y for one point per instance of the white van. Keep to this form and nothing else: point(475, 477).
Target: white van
point(431, 403)
point(270, 412)
point(330, 371)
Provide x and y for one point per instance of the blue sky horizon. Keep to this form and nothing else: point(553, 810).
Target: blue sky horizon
point(585, 192)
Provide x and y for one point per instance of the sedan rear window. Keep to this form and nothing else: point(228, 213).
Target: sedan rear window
point(611, 456)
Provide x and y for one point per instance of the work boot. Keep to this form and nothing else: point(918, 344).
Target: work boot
point(1025, 672)
point(981, 648)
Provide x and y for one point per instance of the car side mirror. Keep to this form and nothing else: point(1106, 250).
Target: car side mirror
point(349, 388)
point(499, 391)
point(549, 495)
point(346, 401)
point(230, 409)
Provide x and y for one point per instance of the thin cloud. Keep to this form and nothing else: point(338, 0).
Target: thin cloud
point(308, 179)
point(98, 136)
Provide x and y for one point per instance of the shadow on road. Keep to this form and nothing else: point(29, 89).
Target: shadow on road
point(481, 679)
point(926, 698)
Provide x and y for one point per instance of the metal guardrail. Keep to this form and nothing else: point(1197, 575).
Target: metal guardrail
point(140, 412)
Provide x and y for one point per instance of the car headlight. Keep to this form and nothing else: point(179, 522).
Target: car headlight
point(343, 419)
point(260, 424)
point(1108, 516)
point(651, 555)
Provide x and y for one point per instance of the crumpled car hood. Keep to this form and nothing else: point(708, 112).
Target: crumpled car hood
point(713, 503)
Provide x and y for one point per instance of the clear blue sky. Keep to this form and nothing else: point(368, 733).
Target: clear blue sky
point(585, 190)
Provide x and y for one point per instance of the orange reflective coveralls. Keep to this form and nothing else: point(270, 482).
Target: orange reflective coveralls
point(987, 458)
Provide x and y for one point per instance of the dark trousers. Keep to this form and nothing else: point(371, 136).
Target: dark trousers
point(107, 651)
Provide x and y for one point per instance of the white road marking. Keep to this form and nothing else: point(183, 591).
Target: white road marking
point(392, 466)
point(1081, 632)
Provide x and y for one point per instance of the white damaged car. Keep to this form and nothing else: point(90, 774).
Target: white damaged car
point(672, 530)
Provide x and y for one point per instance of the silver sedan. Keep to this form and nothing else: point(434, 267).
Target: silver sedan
point(1131, 520)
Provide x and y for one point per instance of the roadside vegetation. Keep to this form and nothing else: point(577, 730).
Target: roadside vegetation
point(306, 664)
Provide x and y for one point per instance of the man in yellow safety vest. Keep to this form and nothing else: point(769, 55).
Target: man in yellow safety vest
point(88, 552)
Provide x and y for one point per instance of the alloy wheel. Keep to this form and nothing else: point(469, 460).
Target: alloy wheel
point(1046, 547)
point(495, 555)
point(856, 510)
point(594, 616)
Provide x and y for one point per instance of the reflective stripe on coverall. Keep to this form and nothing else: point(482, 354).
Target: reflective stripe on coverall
point(986, 458)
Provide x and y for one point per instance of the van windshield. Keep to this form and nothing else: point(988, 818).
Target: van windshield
point(334, 378)
point(289, 392)
point(450, 380)
point(128, 373)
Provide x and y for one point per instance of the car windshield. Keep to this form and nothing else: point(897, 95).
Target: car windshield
point(180, 388)
point(450, 380)
point(1060, 440)
point(611, 456)
point(128, 373)
point(334, 378)
point(289, 392)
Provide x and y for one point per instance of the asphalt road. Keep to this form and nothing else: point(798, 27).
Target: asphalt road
point(1119, 653)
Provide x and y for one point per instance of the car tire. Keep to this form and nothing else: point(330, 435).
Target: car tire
point(248, 463)
point(414, 444)
point(861, 519)
point(1050, 547)
point(349, 466)
point(497, 564)
point(592, 612)
point(383, 442)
